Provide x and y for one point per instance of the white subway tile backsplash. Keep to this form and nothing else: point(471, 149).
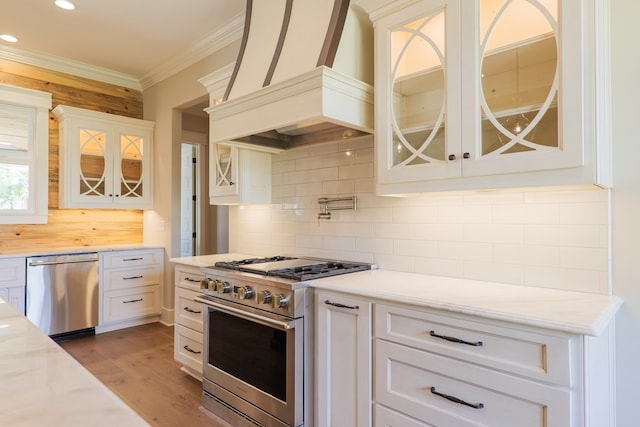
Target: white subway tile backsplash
point(439, 267)
point(394, 231)
point(583, 213)
point(416, 248)
point(323, 174)
point(440, 232)
point(416, 215)
point(584, 258)
point(465, 251)
point(464, 214)
point(356, 171)
point(496, 233)
point(375, 245)
point(526, 255)
point(548, 237)
point(563, 235)
point(526, 214)
point(494, 272)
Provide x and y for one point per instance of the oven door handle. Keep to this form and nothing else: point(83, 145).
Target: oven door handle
point(283, 325)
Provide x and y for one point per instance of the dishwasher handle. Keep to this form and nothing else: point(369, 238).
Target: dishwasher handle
point(68, 259)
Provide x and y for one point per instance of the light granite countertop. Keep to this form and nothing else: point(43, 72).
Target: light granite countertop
point(6, 253)
point(574, 312)
point(42, 385)
point(208, 260)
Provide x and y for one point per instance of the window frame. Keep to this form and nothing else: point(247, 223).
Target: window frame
point(38, 153)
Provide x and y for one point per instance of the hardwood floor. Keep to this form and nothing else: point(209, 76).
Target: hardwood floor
point(137, 365)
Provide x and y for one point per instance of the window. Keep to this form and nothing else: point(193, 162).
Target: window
point(24, 168)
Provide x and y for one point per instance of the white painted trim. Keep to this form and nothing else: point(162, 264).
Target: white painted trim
point(224, 36)
point(69, 66)
point(227, 34)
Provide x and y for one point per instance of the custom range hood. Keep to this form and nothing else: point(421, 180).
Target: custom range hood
point(303, 75)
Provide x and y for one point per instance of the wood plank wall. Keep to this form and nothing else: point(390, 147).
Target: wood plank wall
point(72, 227)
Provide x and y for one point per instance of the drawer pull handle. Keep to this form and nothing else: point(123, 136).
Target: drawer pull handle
point(133, 300)
point(337, 304)
point(186, 347)
point(191, 311)
point(132, 259)
point(456, 400)
point(456, 340)
point(189, 279)
point(132, 277)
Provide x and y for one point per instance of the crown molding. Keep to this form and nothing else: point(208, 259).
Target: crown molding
point(227, 34)
point(69, 66)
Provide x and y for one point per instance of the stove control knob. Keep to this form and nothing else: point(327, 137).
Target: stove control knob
point(264, 297)
point(245, 292)
point(280, 301)
point(204, 283)
point(223, 287)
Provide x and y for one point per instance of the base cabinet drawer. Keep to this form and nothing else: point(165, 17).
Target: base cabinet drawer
point(128, 278)
point(541, 357)
point(385, 417)
point(451, 393)
point(188, 348)
point(132, 258)
point(188, 312)
point(127, 304)
point(189, 278)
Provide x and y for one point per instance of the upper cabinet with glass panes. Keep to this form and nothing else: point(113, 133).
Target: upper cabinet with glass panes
point(105, 160)
point(24, 150)
point(475, 94)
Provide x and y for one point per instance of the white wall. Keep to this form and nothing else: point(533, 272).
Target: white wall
point(626, 203)
point(162, 104)
point(555, 238)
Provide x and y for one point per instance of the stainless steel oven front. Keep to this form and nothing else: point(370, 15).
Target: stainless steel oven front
point(254, 364)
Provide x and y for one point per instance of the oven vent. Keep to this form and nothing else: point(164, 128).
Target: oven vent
point(303, 75)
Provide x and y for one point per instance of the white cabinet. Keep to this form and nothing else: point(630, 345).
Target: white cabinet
point(188, 319)
point(130, 287)
point(239, 174)
point(435, 368)
point(105, 160)
point(343, 361)
point(12, 281)
point(488, 93)
point(450, 371)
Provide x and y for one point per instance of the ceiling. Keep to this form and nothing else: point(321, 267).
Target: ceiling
point(131, 37)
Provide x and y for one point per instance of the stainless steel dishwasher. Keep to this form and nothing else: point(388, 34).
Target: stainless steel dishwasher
point(62, 294)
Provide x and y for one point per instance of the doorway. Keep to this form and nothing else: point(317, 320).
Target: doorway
point(190, 202)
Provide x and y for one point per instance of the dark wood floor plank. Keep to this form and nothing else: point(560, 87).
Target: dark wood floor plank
point(137, 365)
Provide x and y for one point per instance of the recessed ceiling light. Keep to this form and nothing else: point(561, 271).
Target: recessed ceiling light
point(64, 4)
point(8, 38)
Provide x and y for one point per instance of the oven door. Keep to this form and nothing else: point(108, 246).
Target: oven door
point(254, 361)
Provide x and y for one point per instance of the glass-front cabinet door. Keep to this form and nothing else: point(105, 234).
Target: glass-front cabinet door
point(105, 160)
point(529, 81)
point(224, 170)
point(93, 158)
point(480, 88)
point(130, 166)
point(419, 93)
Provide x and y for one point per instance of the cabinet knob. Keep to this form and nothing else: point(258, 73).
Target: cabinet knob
point(452, 157)
point(466, 155)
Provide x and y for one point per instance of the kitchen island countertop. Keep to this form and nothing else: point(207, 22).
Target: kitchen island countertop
point(567, 311)
point(42, 385)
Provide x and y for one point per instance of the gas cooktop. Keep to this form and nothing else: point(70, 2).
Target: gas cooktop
point(296, 269)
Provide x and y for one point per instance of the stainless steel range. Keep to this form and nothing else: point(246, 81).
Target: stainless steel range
point(258, 327)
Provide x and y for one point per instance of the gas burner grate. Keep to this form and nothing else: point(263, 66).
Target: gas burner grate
point(317, 271)
point(239, 264)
